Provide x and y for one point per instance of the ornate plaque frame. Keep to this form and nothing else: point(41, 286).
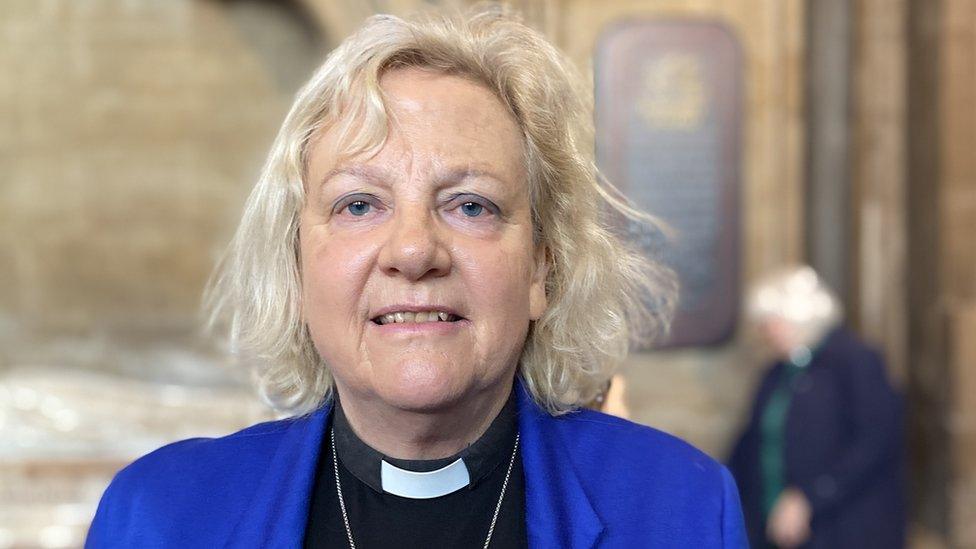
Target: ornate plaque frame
point(668, 117)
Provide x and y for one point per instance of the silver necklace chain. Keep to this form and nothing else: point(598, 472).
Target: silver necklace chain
point(342, 501)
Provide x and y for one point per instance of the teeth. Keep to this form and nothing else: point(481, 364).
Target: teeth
point(403, 317)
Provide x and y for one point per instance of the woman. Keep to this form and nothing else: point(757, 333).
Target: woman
point(424, 269)
point(820, 461)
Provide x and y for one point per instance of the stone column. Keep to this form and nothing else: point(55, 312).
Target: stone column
point(942, 224)
point(927, 434)
point(828, 191)
point(877, 300)
point(957, 249)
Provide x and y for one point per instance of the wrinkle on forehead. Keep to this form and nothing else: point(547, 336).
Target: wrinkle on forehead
point(410, 119)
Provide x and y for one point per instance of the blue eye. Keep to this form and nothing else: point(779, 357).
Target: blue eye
point(472, 209)
point(358, 208)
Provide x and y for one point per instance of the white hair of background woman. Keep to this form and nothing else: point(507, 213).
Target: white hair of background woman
point(798, 296)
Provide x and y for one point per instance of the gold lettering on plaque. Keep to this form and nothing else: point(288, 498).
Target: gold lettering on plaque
point(673, 94)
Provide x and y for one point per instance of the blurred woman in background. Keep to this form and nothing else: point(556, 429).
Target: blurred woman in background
point(820, 461)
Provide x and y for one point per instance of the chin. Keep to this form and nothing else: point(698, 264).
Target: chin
point(422, 386)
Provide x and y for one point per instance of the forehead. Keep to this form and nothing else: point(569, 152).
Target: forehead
point(436, 122)
point(424, 96)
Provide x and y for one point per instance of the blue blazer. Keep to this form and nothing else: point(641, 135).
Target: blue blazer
point(591, 480)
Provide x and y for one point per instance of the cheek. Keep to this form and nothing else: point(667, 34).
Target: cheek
point(498, 283)
point(334, 272)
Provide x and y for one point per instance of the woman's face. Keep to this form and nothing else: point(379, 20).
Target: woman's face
point(779, 335)
point(436, 225)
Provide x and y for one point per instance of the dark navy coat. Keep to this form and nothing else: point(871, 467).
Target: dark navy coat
point(843, 448)
point(591, 480)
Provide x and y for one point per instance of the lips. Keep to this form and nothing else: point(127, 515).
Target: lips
point(415, 314)
point(407, 317)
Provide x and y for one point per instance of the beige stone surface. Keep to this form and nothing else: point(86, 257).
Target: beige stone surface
point(66, 433)
point(878, 171)
point(957, 249)
point(963, 426)
point(958, 119)
point(131, 132)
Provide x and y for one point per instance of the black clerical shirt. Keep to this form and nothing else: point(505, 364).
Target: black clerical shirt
point(381, 520)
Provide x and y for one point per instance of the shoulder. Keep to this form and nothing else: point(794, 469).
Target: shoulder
point(647, 484)
point(622, 434)
point(850, 361)
point(194, 481)
point(841, 343)
point(206, 456)
point(633, 449)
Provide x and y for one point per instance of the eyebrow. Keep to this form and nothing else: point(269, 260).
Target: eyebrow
point(360, 171)
point(460, 174)
point(381, 176)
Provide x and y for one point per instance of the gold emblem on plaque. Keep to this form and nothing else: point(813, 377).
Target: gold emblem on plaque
point(673, 93)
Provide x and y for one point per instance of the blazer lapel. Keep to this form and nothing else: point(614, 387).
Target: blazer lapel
point(277, 514)
point(558, 513)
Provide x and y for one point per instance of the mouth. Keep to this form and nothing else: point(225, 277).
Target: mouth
point(415, 317)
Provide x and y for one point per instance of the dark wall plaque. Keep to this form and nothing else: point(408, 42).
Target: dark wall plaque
point(668, 107)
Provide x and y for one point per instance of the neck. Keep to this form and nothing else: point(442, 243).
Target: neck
point(422, 434)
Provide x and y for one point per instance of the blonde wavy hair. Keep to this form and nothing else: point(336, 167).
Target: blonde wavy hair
point(602, 294)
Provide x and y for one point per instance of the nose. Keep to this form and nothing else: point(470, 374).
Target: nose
point(415, 248)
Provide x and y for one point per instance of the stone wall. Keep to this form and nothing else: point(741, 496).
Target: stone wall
point(131, 131)
point(130, 134)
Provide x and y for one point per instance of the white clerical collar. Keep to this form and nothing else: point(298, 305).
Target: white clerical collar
point(425, 485)
point(425, 479)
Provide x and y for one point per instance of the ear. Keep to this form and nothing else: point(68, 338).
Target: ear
point(537, 288)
